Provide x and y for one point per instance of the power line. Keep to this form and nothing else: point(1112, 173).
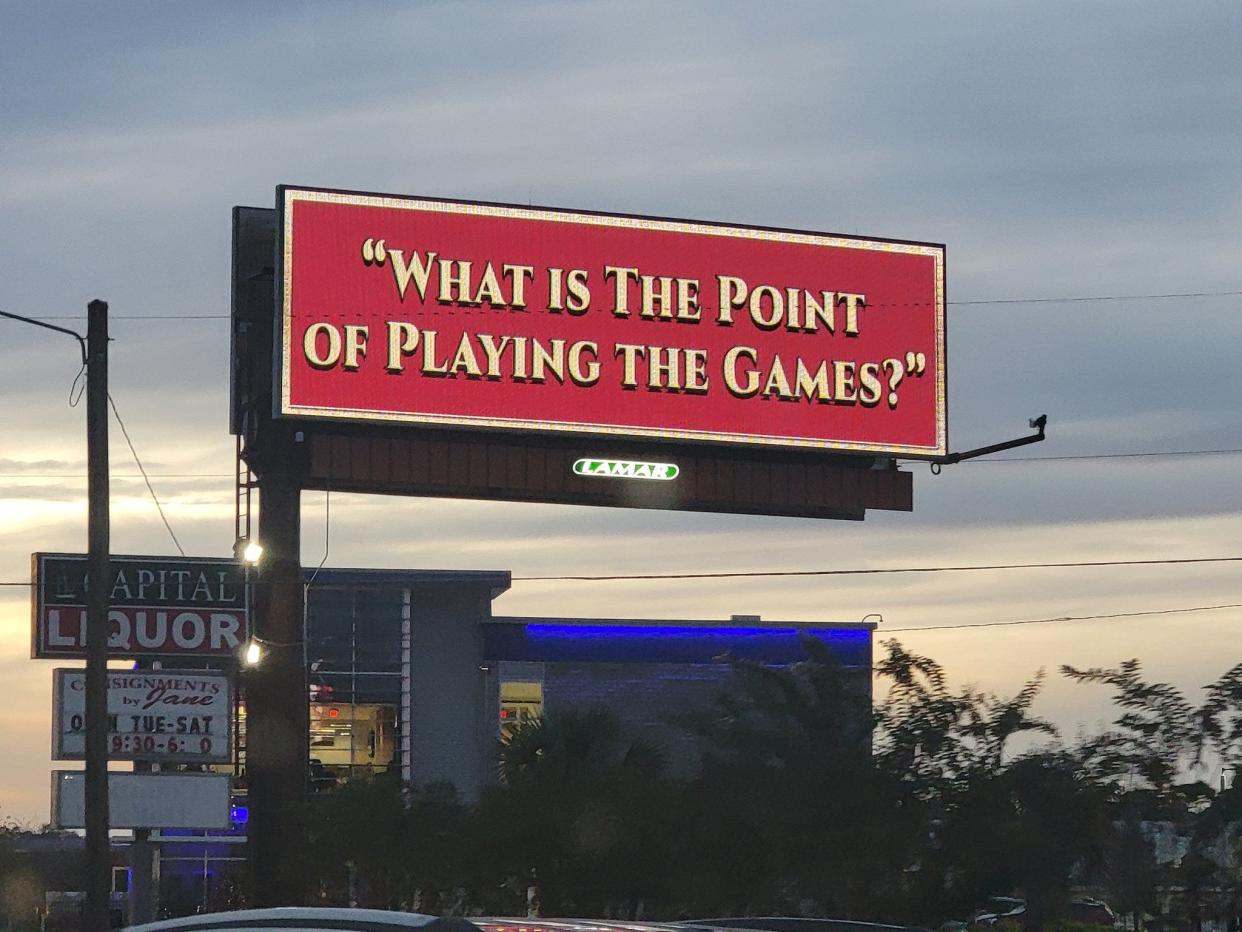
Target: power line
point(112, 317)
point(877, 571)
point(1005, 459)
point(1068, 299)
point(150, 488)
point(980, 624)
point(1101, 456)
point(753, 574)
point(1048, 621)
point(1077, 299)
point(116, 475)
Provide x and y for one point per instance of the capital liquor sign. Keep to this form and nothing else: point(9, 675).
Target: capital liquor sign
point(164, 607)
point(512, 319)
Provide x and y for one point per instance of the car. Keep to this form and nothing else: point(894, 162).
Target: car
point(323, 919)
point(306, 919)
point(1092, 911)
point(796, 924)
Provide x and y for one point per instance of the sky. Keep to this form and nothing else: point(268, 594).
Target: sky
point(1058, 149)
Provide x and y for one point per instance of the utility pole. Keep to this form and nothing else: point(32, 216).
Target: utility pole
point(98, 850)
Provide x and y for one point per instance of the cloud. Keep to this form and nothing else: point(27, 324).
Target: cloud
point(1058, 149)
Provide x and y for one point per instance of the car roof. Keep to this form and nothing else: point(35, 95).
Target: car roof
point(795, 924)
point(299, 918)
point(313, 919)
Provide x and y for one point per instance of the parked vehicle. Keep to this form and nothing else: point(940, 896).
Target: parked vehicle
point(318, 919)
point(798, 924)
point(311, 919)
point(305, 919)
point(1089, 909)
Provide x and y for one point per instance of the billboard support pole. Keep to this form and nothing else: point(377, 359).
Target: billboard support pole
point(277, 722)
point(98, 852)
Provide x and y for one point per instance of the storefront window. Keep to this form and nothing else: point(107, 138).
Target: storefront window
point(350, 741)
point(354, 681)
point(520, 703)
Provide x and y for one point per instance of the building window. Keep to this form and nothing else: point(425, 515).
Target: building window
point(351, 740)
point(520, 703)
point(354, 682)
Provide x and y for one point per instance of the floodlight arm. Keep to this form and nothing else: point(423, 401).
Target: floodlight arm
point(46, 326)
point(1039, 424)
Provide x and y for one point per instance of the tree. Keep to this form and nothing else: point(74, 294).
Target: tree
point(439, 848)
point(1131, 874)
point(934, 737)
point(919, 737)
point(1220, 718)
point(788, 789)
point(991, 825)
point(1154, 739)
point(584, 811)
point(359, 842)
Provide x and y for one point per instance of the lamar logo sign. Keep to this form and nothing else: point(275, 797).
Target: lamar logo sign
point(625, 469)
point(158, 606)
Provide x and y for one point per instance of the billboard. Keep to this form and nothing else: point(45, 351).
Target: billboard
point(146, 800)
point(500, 318)
point(181, 716)
point(164, 607)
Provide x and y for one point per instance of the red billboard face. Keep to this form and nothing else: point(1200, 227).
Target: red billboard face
point(502, 317)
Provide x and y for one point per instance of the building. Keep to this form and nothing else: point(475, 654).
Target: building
point(410, 669)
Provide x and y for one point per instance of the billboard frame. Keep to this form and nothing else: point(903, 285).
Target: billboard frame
point(284, 409)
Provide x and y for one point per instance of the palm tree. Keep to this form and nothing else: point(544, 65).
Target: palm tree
point(584, 809)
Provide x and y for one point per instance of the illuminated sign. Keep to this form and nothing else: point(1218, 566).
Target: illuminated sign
point(146, 800)
point(483, 317)
point(625, 469)
point(158, 606)
point(160, 715)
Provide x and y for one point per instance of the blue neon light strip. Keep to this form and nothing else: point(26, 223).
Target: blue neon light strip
point(690, 631)
point(599, 643)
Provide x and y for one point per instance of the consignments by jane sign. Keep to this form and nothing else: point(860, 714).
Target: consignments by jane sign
point(165, 715)
point(496, 317)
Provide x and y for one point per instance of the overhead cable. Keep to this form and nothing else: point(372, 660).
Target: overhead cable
point(1068, 299)
point(1100, 456)
point(743, 574)
point(758, 574)
point(150, 488)
point(1062, 618)
point(974, 462)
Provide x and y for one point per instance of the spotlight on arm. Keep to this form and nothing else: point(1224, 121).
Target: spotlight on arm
point(254, 653)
